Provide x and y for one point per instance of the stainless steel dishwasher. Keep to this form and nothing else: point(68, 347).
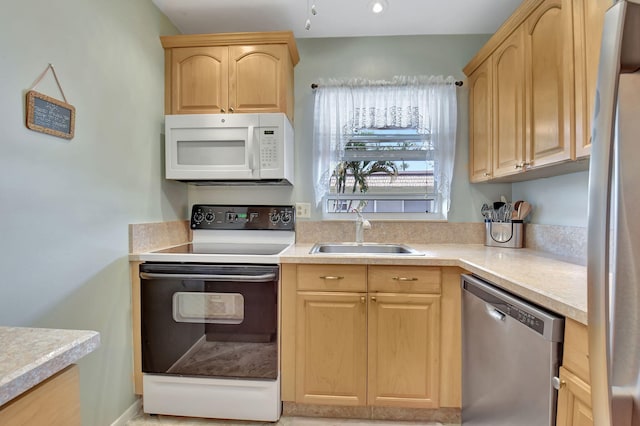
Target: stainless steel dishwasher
point(511, 351)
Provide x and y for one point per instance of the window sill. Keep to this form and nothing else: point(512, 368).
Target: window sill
point(387, 217)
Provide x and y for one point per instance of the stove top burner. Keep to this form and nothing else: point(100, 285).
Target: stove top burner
point(227, 248)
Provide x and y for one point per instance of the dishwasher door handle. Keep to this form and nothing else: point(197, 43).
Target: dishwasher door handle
point(496, 314)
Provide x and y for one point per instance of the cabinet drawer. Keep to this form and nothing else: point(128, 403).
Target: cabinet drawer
point(576, 349)
point(332, 277)
point(404, 279)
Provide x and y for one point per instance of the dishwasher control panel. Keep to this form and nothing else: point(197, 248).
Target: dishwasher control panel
point(524, 317)
point(505, 304)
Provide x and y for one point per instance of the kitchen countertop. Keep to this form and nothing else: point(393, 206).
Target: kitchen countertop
point(548, 281)
point(28, 356)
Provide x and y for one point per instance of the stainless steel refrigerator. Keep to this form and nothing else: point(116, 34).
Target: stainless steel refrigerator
point(614, 223)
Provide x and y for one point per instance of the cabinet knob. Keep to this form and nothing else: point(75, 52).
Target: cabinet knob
point(522, 165)
point(331, 277)
point(486, 174)
point(231, 109)
point(404, 279)
point(363, 299)
point(558, 383)
point(373, 298)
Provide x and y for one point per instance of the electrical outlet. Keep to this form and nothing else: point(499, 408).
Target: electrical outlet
point(303, 210)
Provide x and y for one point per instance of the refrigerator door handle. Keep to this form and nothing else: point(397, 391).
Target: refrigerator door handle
point(612, 273)
point(598, 213)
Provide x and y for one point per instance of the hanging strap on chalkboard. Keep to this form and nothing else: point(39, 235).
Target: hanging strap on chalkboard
point(50, 67)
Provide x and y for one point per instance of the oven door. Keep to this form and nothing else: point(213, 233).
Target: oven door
point(203, 320)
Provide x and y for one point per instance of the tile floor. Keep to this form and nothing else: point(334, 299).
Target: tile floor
point(147, 420)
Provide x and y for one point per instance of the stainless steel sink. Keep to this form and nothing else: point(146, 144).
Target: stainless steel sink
point(365, 248)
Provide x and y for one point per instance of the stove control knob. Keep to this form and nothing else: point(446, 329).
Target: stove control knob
point(209, 217)
point(274, 217)
point(286, 217)
point(198, 216)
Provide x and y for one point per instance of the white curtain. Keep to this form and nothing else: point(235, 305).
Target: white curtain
point(427, 103)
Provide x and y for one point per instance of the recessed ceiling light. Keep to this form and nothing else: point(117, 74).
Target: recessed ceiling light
point(378, 6)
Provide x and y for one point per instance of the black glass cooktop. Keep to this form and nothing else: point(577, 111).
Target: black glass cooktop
point(227, 248)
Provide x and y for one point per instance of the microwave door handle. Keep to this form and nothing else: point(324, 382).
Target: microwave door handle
point(250, 153)
point(226, 278)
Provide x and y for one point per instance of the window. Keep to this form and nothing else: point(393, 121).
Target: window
point(385, 148)
point(384, 171)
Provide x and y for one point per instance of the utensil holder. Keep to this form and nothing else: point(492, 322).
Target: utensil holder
point(504, 234)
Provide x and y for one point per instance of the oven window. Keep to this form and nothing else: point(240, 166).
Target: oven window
point(210, 308)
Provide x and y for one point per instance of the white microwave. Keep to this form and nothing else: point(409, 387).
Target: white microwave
point(229, 148)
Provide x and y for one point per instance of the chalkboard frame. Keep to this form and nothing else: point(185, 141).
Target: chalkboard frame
point(32, 95)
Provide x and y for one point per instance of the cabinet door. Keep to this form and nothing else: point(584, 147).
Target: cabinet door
point(331, 345)
point(199, 80)
point(480, 123)
point(587, 23)
point(549, 83)
point(508, 106)
point(404, 348)
point(54, 402)
point(257, 78)
point(574, 401)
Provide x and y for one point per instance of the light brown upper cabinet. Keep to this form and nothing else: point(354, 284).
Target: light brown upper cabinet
point(229, 73)
point(508, 105)
point(543, 63)
point(587, 26)
point(480, 85)
point(549, 83)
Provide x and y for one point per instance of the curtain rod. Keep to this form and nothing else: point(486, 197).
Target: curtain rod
point(316, 85)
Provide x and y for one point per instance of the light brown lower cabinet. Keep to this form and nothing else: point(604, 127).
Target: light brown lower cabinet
point(574, 396)
point(369, 336)
point(574, 401)
point(54, 402)
point(404, 350)
point(331, 349)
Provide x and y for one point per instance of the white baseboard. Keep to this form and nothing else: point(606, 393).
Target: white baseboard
point(129, 413)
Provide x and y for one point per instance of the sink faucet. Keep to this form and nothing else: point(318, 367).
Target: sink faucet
point(361, 225)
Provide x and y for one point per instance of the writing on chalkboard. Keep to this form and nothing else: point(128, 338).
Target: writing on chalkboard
point(51, 116)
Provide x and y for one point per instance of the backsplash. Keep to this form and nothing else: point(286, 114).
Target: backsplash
point(569, 242)
point(392, 232)
point(145, 237)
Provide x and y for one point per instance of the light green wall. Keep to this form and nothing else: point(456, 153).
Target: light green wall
point(560, 200)
point(374, 58)
point(65, 205)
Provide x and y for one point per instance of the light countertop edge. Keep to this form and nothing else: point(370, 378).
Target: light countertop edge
point(552, 283)
point(28, 356)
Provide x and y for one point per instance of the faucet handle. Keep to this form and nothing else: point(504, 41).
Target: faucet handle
point(366, 224)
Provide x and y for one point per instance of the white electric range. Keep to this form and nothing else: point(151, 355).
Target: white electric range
point(209, 316)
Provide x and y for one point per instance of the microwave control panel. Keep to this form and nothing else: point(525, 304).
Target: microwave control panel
point(269, 155)
point(207, 216)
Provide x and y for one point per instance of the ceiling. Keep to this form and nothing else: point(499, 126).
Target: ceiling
point(338, 18)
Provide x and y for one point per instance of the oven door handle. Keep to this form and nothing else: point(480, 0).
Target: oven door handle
point(228, 278)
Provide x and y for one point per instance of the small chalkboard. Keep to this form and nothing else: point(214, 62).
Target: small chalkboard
point(49, 115)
